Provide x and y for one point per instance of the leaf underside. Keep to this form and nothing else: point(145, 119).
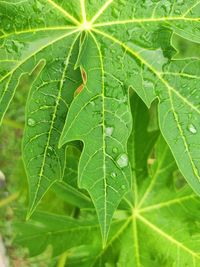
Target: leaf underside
point(85, 80)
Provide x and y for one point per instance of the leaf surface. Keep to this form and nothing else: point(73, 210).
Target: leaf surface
point(126, 45)
point(48, 229)
point(160, 227)
point(102, 121)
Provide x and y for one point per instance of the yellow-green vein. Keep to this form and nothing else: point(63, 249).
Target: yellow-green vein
point(51, 126)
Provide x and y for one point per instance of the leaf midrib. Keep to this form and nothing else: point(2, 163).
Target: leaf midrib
point(169, 90)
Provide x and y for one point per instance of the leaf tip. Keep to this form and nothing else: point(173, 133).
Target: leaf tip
point(61, 142)
point(104, 234)
point(29, 214)
point(104, 242)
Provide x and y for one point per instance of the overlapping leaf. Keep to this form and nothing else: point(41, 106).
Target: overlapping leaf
point(47, 107)
point(159, 227)
point(127, 44)
point(48, 229)
point(100, 117)
point(163, 229)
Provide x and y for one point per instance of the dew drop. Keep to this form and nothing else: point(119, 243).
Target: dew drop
point(109, 131)
point(31, 122)
point(92, 103)
point(192, 129)
point(123, 187)
point(122, 161)
point(113, 175)
point(115, 150)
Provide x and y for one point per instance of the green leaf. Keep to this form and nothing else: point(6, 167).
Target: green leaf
point(138, 149)
point(45, 229)
point(71, 195)
point(103, 123)
point(163, 227)
point(175, 85)
point(68, 189)
point(47, 106)
point(123, 44)
point(81, 238)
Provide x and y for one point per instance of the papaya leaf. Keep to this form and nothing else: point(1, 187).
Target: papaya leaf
point(92, 113)
point(46, 229)
point(92, 53)
point(160, 229)
point(163, 227)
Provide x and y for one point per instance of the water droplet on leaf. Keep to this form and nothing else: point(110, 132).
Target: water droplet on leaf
point(113, 175)
point(192, 129)
point(115, 150)
point(31, 122)
point(122, 161)
point(109, 131)
point(92, 103)
point(50, 148)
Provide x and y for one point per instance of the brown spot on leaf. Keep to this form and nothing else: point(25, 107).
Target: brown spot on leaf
point(84, 76)
point(79, 90)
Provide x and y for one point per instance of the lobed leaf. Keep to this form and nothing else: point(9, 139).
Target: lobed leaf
point(159, 228)
point(126, 44)
point(102, 121)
